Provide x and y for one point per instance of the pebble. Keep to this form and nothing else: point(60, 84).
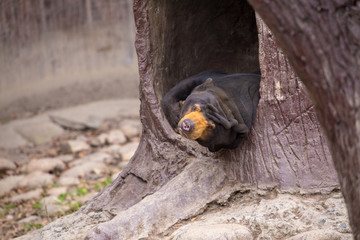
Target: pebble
point(57, 191)
point(9, 183)
point(84, 169)
point(46, 165)
point(128, 150)
point(30, 219)
point(34, 194)
point(116, 136)
point(52, 205)
point(68, 181)
point(66, 158)
point(115, 151)
point(74, 146)
point(6, 164)
point(95, 157)
point(102, 138)
point(36, 179)
point(130, 130)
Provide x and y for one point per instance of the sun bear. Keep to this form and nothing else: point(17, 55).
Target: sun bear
point(213, 108)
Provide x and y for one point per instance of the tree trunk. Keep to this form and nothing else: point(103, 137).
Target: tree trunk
point(169, 178)
point(322, 41)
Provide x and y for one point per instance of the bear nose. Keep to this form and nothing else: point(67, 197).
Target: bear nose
point(187, 125)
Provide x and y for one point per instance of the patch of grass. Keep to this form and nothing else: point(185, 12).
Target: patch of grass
point(81, 191)
point(106, 182)
point(75, 206)
point(62, 197)
point(32, 226)
point(7, 208)
point(37, 205)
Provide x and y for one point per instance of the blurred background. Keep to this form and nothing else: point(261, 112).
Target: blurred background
point(61, 53)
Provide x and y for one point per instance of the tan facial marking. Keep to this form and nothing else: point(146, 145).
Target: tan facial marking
point(201, 129)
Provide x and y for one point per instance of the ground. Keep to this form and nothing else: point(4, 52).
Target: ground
point(45, 177)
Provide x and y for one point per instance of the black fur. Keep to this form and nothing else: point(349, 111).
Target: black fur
point(228, 100)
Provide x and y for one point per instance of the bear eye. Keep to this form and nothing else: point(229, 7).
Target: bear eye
point(193, 108)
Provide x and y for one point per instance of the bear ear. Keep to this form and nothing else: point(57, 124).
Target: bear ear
point(208, 83)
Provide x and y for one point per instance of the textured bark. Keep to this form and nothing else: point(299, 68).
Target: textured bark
point(322, 40)
point(285, 149)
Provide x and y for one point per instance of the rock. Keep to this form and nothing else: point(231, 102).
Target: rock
point(6, 164)
point(9, 183)
point(93, 114)
point(116, 136)
point(40, 131)
point(321, 235)
point(57, 191)
point(95, 157)
point(95, 142)
point(102, 138)
point(36, 179)
point(74, 146)
point(68, 181)
point(114, 176)
point(65, 158)
point(128, 150)
point(87, 197)
point(213, 232)
point(114, 151)
point(130, 130)
point(34, 194)
point(30, 219)
point(10, 139)
point(52, 205)
point(82, 170)
point(46, 165)
point(123, 164)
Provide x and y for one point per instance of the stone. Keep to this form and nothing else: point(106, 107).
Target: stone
point(95, 157)
point(9, 183)
point(128, 150)
point(30, 219)
point(82, 170)
point(46, 165)
point(74, 146)
point(66, 158)
point(123, 164)
point(213, 232)
point(321, 235)
point(34, 194)
point(116, 136)
point(6, 164)
point(36, 179)
point(68, 181)
point(130, 130)
point(10, 139)
point(114, 176)
point(57, 191)
point(93, 114)
point(40, 131)
point(103, 138)
point(52, 205)
point(114, 151)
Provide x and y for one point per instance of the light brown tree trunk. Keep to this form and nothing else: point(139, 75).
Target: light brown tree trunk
point(322, 41)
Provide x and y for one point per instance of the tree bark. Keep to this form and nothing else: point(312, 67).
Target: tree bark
point(322, 39)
